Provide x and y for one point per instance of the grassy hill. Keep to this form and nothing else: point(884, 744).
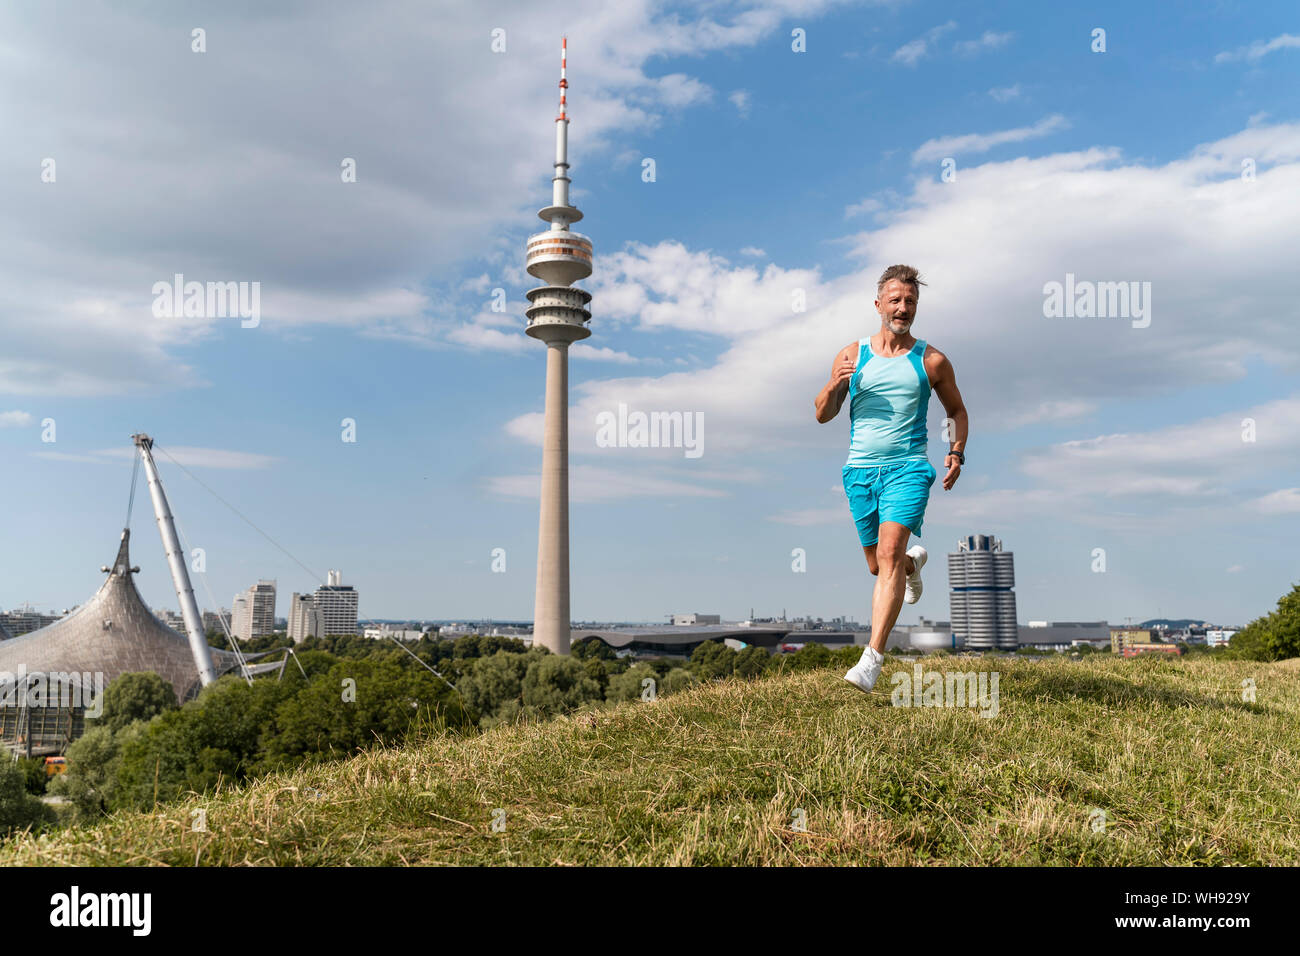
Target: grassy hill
point(1184, 770)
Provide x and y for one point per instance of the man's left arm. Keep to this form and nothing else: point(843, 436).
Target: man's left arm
point(945, 386)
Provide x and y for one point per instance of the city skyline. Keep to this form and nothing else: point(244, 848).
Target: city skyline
point(774, 172)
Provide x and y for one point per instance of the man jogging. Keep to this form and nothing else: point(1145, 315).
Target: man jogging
point(888, 378)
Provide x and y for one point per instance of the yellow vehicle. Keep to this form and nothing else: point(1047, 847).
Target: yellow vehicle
point(55, 765)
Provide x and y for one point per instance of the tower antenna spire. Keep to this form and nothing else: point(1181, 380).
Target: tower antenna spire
point(564, 82)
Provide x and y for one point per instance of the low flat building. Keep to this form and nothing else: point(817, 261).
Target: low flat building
point(20, 622)
point(1063, 635)
point(384, 632)
point(1137, 650)
point(686, 620)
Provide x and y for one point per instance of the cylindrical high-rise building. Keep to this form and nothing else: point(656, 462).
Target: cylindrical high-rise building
point(981, 577)
point(557, 314)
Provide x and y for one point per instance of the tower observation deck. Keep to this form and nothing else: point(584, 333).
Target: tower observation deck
point(559, 256)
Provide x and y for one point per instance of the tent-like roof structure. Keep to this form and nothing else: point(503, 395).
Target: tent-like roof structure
point(113, 633)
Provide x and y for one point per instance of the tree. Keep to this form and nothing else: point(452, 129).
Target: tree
point(34, 775)
point(493, 682)
point(628, 685)
point(809, 657)
point(89, 780)
point(357, 704)
point(136, 696)
point(752, 661)
point(677, 679)
point(468, 646)
point(590, 647)
point(556, 685)
point(713, 660)
point(1273, 637)
point(18, 808)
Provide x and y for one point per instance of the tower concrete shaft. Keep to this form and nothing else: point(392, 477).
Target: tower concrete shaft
point(551, 609)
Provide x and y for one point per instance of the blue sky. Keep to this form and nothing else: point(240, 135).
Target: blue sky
point(775, 170)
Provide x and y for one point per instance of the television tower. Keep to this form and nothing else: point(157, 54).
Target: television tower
point(557, 314)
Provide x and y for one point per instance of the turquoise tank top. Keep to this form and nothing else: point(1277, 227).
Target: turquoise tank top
point(888, 399)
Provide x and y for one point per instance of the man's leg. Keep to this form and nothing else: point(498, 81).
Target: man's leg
point(888, 561)
point(892, 563)
point(870, 551)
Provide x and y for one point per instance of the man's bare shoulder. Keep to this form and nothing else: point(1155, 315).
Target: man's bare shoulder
point(937, 366)
point(933, 358)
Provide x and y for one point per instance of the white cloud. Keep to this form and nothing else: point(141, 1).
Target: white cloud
point(988, 40)
point(677, 91)
point(15, 419)
point(1051, 411)
point(1282, 501)
point(1259, 49)
point(754, 252)
point(910, 53)
point(479, 284)
point(868, 205)
point(626, 158)
point(970, 143)
point(742, 100)
point(1199, 459)
point(482, 337)
point(668, 286)
point(604, 353)
point(1004, 94)
point(1143, 480)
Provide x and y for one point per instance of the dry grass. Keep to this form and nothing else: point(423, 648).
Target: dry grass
point(1185, 771)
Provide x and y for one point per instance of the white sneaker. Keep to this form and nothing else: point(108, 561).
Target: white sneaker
point(863, 674)
point(912, 590)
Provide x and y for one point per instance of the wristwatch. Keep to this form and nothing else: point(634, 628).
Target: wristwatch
point(958, 455)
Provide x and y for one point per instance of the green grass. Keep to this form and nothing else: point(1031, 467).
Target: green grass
point(1185, 771)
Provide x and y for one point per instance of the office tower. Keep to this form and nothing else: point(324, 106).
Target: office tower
point(337, 603)
point(304, 618)
point(981, 577)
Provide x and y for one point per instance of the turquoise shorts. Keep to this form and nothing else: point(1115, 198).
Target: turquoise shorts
point(880, 493)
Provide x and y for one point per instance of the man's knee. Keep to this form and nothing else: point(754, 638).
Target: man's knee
point(889, 558)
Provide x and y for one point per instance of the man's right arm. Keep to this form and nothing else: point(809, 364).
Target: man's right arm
point(831, 397)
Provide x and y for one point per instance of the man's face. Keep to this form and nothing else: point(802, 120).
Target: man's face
point(897, 306)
